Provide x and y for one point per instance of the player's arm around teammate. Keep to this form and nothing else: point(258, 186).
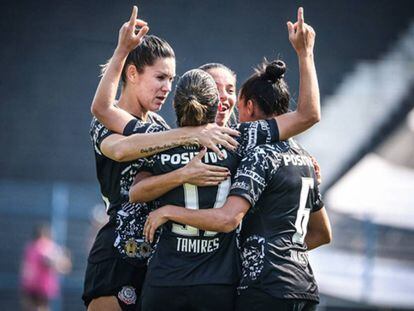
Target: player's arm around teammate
point(116, 118)
point(195, 172)
point(227, 218)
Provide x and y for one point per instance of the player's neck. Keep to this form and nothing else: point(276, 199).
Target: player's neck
point(129, 103)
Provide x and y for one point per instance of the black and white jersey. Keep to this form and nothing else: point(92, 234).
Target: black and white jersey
point(115, 178)
point(185, 255)
point(279, 182)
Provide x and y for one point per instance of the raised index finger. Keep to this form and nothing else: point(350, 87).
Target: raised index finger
point(301, 19)
point(133, 16)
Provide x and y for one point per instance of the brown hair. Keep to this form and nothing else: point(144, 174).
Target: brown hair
point(196, 99)
point(145, 54)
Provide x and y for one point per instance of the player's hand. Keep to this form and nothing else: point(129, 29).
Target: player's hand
point(129, 35)
point(317, 170)
point(155, 219)
point(301, 35)
point(211, 135)
point(200, 174)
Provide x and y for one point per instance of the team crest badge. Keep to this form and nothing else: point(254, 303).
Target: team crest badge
point(131, 248)
point(127, 295)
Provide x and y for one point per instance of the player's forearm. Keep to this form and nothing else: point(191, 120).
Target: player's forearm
point(319, 229)
point(102, 105)
point(308, 110)
point(213, 219)
point(143, 145)
point(316, 239)
point(153, 187)
point(309, 100)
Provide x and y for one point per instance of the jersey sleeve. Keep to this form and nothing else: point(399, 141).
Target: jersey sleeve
point(156, 118)
point(253, 174)
point(98, 133)
point(317, 202)
point(136, 126)
point(256, 133)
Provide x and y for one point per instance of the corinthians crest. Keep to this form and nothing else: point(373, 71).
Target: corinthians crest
point(137, 248)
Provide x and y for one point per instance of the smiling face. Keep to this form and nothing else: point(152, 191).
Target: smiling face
point(226, 85)
point(154, 83)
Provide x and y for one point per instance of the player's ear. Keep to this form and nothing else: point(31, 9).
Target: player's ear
point(132, 73)
point(250, 108)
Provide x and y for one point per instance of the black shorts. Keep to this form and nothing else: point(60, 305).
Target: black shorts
point(256, 300)
point(110, 273)
point(189, 298)
point(114, 277)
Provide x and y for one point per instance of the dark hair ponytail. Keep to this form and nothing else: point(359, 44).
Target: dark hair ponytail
point(267, 88)
point(196, 99)
point(192, 113)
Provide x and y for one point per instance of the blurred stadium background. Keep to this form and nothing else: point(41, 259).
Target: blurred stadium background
point(50, 52)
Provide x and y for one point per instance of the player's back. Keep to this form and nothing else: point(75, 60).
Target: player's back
point(186, 255)
point(274, 255)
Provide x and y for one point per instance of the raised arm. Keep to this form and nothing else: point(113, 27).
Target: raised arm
point(223, 219)
point(102, 106)
point(148, 187)
point(319, 229)
point(308, 112)
point(140, 145)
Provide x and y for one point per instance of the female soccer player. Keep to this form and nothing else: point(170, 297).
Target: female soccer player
point(116, 263)
point(225, 79)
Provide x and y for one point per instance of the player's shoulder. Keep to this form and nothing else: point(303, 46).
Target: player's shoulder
point(275, 148)
point(252, 125)
point(154, 117)
point(138, 126)
point(297, 148)
point(266, 155)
